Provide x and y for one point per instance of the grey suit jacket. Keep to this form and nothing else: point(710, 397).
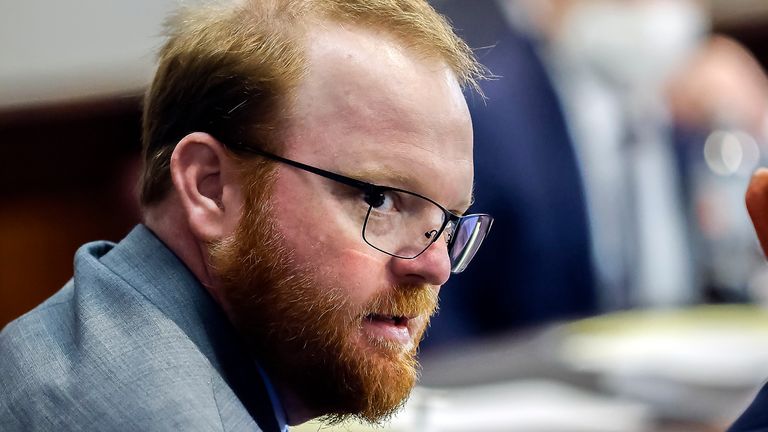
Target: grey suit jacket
point(132, 343)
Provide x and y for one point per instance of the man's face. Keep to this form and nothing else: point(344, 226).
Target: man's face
point(335, 319)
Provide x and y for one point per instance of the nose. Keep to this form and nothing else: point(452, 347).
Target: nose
point(432, 267)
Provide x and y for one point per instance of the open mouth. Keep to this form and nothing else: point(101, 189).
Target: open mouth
point(398, 330)
point(395, 320)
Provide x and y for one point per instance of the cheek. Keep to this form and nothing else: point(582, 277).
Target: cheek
point(322, 236)
point(361, 273)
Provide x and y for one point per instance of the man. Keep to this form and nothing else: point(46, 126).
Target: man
point(305, 163)
point(755, 418)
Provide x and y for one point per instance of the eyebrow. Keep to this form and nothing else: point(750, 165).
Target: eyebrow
point(382, 177)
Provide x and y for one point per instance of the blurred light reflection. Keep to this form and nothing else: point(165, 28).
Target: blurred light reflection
point(731, 152)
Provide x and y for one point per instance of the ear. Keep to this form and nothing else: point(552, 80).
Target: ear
point(205, 179)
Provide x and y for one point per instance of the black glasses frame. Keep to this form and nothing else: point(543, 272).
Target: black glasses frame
point(371, 190)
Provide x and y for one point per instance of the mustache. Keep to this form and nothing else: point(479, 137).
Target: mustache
point(406, 300)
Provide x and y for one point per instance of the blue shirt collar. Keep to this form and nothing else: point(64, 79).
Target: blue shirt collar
point(282, 422)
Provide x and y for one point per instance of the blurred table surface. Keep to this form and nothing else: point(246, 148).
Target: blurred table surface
point(644, 371)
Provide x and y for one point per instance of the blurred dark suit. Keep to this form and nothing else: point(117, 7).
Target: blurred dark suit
point(535, 266)
point(755, 418)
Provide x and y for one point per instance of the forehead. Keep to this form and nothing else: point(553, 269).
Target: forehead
point(369, 104)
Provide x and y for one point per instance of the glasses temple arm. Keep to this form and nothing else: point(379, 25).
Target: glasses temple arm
point(321, 172)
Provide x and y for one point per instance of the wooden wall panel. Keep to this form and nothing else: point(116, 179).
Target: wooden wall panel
point(67, 176)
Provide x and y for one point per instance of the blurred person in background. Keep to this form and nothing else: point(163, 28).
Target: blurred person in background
point(306, 165)
point(722, 93)
point(595, 175)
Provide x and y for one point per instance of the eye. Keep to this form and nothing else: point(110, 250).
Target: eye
point(380, 200)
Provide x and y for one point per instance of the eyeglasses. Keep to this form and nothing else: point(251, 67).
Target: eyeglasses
point(404, 224)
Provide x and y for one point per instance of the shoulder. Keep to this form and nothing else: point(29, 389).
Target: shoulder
point(100, 355)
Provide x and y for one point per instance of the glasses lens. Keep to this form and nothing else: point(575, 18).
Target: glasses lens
point(402, 224)
point(467, 238)
point(405, 225)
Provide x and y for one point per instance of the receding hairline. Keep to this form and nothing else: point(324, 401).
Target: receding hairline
point(302, 17)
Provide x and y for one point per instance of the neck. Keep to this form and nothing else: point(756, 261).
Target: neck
point(296, 412)
point(167, 220)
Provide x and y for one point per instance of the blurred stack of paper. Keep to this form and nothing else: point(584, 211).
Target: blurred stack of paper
point(701, 363)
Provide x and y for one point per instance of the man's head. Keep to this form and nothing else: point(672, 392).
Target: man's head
point(231, 69)
point(305, 265)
